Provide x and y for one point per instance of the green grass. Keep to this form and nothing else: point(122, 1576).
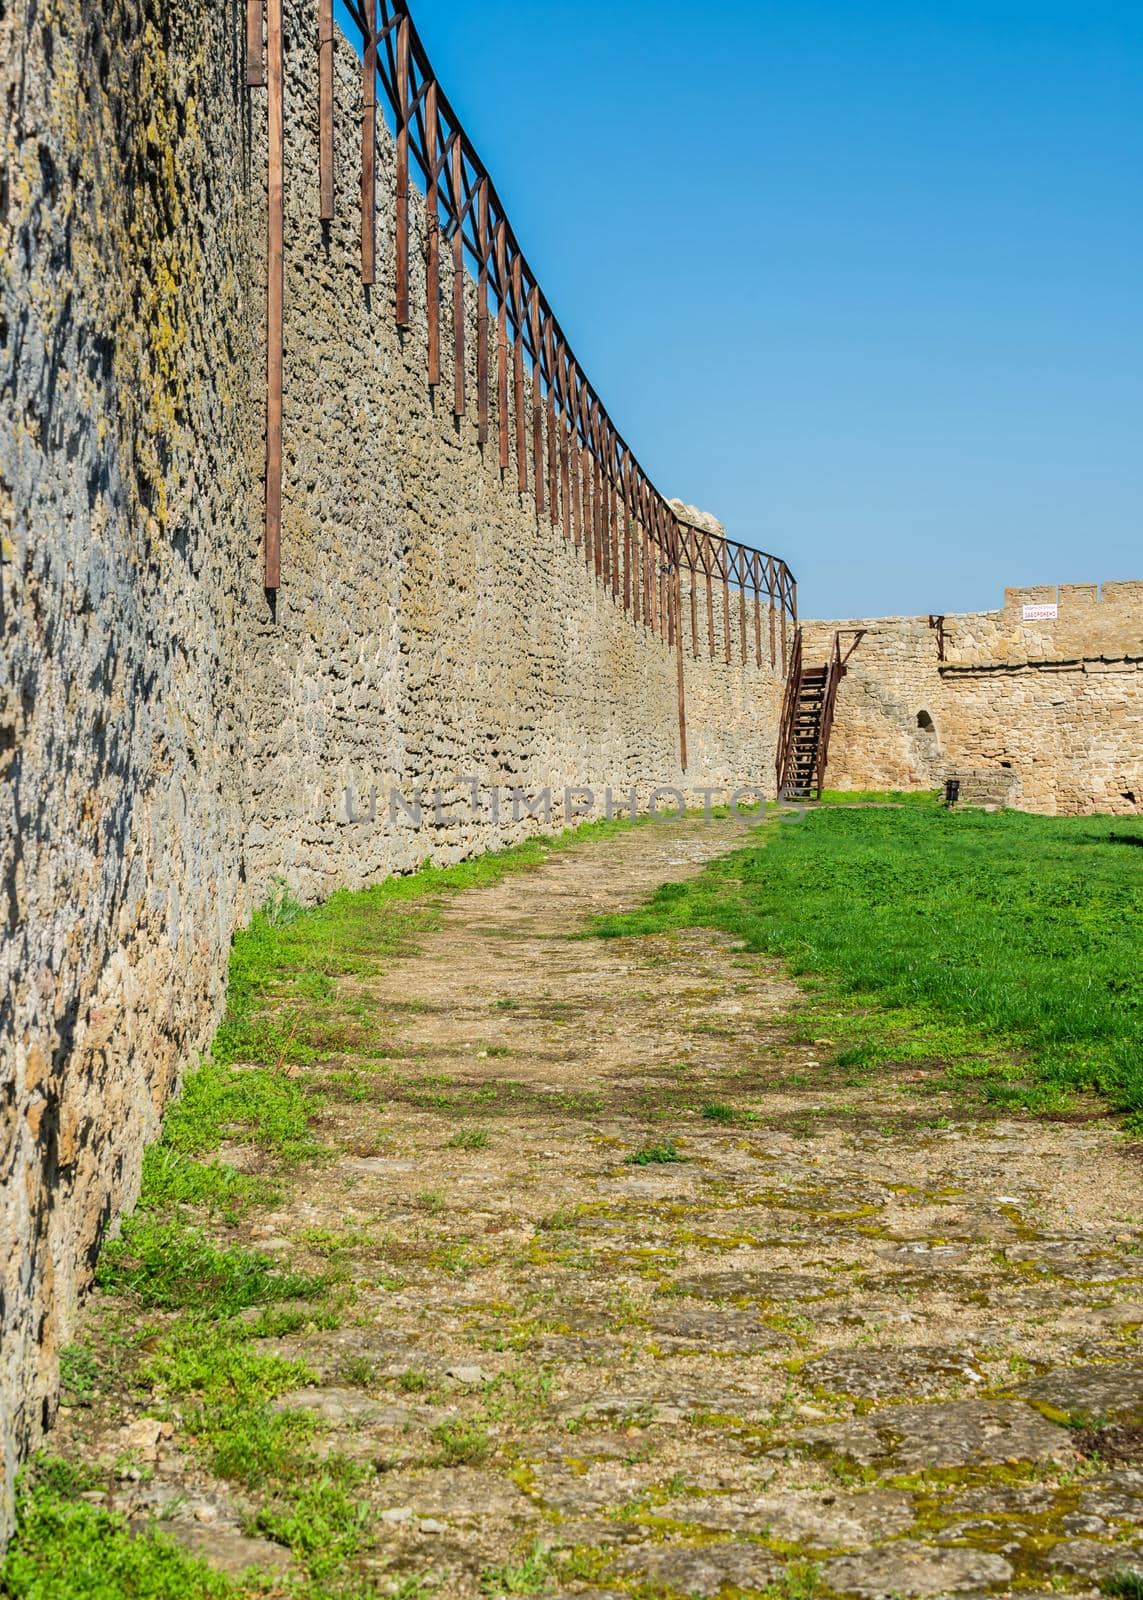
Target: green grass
point(319, 1519)
point(460, 1443)
point(66, 1549)
point(650, 1155)
point(168, 1266)
point(470, 1139)
point(1010, 945)
point(716, 1111)
point(1125, 1585)
point(532, 1575)
point(927, 798)
point(172, 1179)
point(79, 1375)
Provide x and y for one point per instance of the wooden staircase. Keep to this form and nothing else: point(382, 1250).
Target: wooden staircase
point(807, 718)
point(809, 712)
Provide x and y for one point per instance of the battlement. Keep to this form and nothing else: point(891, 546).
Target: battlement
point(1124, 593)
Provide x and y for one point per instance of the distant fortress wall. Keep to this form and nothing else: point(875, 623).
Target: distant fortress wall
point(1047, 693)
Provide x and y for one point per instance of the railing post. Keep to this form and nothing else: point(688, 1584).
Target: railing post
point(432, 237)
point(482, 314)
point(740, 561)
point(255, 60)
point(456, 186)
point(553, 453)
point(678, 565)
point(369, 147)
point(402, 233)
point(537, 402)
point(502, 337)
point(726, 600)
point(518, 377)
point(325, 109)
point(275, 292)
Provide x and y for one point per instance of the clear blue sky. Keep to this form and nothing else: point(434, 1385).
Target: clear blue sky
point(863, 277)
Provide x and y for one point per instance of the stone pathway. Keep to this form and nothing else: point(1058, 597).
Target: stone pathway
point(864, 1342)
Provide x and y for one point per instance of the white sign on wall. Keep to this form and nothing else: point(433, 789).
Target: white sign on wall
point(1041, 613)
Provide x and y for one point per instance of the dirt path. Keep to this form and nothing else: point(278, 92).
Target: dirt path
point(857, 1340)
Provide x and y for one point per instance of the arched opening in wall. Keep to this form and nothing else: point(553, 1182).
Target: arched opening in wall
point(925, 722)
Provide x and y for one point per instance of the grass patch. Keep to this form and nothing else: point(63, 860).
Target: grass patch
point(716, 1111)
point(80, 1373)
point(460, 1443)
point(1125, 1585)
point(225, 1388)
point(650, 1155)
point(927, 799)
point(261, 1105)
point(66, 1549)
point(231, 1385)
point(469, 1139)
point(321, 1522)
point(172, 1179)
point(532, 1575)
point(169, 1266)
point(1010, 945)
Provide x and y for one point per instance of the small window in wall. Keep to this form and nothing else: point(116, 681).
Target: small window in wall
point(925, 722)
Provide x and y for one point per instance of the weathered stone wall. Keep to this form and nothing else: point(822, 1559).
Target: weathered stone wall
point(429, 630)
point(1058, 703)
point(125, 497)
point(169, 744)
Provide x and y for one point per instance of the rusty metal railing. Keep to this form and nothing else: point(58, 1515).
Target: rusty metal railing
point(581, 471)
point(786, 753)
point(838, 666)
point(569, 455)
point(801, 764)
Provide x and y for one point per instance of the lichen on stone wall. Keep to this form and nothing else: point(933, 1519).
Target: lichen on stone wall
point(127, 497)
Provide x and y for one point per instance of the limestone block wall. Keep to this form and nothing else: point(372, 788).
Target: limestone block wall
point(1056, 701)
point(127, 460)
point(892, 678)
point(430, 631)
point(169, 741)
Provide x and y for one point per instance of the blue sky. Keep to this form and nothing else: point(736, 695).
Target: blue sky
point(863, 277)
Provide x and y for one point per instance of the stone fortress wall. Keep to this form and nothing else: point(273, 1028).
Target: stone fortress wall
point(1048, 711)
point(129, 458)
point(168, 744)
point(428, 627)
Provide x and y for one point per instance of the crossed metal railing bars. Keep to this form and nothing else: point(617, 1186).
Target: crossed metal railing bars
point(581, 472)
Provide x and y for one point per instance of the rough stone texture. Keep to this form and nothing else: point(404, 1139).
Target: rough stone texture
point(125, 493)
point(168, 744)
point(705, 521)
point(429, 630)
point(1051, 711)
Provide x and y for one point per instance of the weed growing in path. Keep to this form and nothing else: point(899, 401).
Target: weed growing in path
point(469, 1139)
point(654, 1155)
